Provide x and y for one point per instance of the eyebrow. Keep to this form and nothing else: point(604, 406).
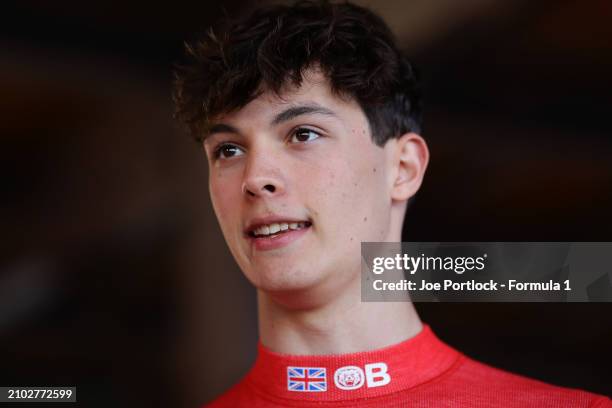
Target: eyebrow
point(220, 128)
point(296, 111)
point(284, 116)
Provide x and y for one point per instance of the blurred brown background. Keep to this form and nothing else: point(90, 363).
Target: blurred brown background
point(113, 273)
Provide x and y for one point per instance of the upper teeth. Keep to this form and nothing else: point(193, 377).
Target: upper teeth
point(276, 227)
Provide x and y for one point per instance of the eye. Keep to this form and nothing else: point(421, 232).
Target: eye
point(226, 150)
point(302, 135)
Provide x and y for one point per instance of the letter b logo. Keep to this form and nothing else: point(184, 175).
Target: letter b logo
point(376, 375)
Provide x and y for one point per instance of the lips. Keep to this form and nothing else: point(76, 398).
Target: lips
point(267, 230)
point(263, 226)
point(275, 232)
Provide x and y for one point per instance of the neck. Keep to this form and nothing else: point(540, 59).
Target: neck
point(343, 325)
point(339, 322)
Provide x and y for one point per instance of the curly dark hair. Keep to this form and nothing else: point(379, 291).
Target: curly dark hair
point(351, 45)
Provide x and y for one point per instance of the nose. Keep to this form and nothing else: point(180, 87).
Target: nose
point(262, 177)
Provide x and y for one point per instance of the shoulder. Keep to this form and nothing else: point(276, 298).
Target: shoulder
point(239, 395)
point(231, 397)
point(478, 380)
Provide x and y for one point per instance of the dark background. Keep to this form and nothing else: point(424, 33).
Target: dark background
point(114, 276)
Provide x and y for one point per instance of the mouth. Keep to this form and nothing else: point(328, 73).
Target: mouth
point(277, 234)
point(277, 228)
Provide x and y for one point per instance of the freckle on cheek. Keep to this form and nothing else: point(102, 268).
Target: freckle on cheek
point(374, 170)
point(365, 219)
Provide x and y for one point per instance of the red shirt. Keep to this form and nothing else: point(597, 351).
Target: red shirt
point(421, 372)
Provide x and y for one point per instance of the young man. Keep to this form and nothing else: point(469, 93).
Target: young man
point(310, 119)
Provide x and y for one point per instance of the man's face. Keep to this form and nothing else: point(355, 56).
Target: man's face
point(304, 163)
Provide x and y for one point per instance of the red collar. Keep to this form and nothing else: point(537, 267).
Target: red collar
point(352, 376)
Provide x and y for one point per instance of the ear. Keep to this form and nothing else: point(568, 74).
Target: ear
point(410, 158)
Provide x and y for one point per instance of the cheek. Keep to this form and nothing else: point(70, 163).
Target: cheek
point(363, 206)
point(347, 191)
point(328, 181)
point(224, 195)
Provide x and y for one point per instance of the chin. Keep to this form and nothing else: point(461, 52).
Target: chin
point(284, 280)
point(304, 289)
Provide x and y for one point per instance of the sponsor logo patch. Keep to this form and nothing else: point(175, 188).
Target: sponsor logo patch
point(349, 378)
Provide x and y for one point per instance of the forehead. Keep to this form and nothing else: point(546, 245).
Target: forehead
point(314, 91)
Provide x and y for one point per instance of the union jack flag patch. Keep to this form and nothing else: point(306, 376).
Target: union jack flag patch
point(306, 379)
